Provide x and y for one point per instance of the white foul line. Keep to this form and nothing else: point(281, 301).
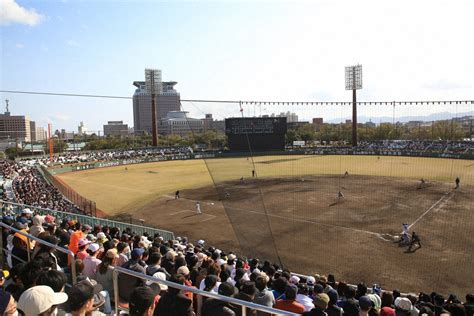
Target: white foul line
point(442, 199)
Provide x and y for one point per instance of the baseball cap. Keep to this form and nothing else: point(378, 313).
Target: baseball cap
point(294, 279)
point(49, 218)
point(82, 242)
point(184, 270)
point(137, 252)
point(112, 253)
point(403, 303)
point(94, 247)
point(27, 211)
point(290, 291)
point(321, 300)
point(160, 276)
point(387, 311)
point(365, 302)
point(39, 299)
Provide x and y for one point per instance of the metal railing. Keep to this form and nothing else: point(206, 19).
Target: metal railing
point(29, 237)
point(89, 220)
point(236, 302)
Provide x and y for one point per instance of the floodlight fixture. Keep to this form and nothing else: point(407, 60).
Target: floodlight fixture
point(354, 77)
point(153, 82)
point(354, 83)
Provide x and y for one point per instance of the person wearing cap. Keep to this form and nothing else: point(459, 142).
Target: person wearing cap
point(40, 300)
point(126, 282)
point(173, 302)
point(303, 297)
point(365, 304)
point(37, 227)
point(25, 216)
point(289, 303)
point(403, 307)
point(142, 302)
point(213, 307)
point(82, 249)
point(184, 271)
point(91, 262)
point(81, 298)
point(321, 302)
point(7, 302)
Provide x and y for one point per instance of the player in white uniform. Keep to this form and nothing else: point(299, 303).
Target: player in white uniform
point(198, 208)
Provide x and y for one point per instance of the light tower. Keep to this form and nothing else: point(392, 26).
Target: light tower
point(153, 85)
point(354, 82)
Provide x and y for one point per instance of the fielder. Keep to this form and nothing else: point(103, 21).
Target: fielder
point(198, 208)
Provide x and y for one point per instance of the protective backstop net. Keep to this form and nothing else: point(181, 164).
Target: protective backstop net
point(321, 205)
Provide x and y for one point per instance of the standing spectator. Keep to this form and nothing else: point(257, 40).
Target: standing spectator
point(289, 303)
point(174, 302)
point(75, 237)
point(40, 300)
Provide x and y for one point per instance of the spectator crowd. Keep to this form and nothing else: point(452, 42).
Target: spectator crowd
point(38, 287)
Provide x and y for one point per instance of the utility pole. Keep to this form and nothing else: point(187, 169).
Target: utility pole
point(153, 86)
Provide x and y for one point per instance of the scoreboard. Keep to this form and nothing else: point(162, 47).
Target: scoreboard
point(261, 133)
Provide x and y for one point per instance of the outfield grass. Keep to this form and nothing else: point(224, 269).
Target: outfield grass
point(117, 190)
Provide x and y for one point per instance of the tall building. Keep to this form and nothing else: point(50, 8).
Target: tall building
point(81, 129)
point(166, 101)
point(115, 128)
point(33, 131)
point(176, 122)
point(41, 134)
point(15, 127)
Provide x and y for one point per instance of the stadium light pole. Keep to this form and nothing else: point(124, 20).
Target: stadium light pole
point(354, 82)
point(153, 86)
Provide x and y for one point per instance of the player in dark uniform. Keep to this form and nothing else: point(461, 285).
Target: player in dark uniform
point(415, 239)
point(253, 173)
point(457, 182)
point(176, 195)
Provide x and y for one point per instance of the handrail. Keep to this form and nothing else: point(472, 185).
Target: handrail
point(167, 235)
point(40, 241)
point(193, 290)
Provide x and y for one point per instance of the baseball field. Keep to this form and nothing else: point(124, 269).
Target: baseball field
point(290, 212)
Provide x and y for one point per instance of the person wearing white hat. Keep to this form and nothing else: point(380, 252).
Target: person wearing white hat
point(40, 300)
point(91, 262)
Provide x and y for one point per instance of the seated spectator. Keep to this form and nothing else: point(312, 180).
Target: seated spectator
point(303, 298)
point(40, 300)
point(289, 303)
point(321, 302)
point(54, 279)
point(174, 302)
point(469, 305)
point(81, 299)
point(333, 309)
point(142, 302)
point(366, 305)
point(104, 274)
point(213, 307)
point(403, 306)
point(263, 296)
point(439, 305)
point(91, 262)
point(350, 305)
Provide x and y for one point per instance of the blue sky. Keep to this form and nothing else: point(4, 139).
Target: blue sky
point(255, 50)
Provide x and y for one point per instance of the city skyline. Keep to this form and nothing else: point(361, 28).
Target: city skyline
point(239, 51)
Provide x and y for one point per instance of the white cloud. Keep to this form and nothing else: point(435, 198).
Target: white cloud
point(73, 43)
point(61, 117)
point(445, 84)
point(19, 45)
point(11, 12)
